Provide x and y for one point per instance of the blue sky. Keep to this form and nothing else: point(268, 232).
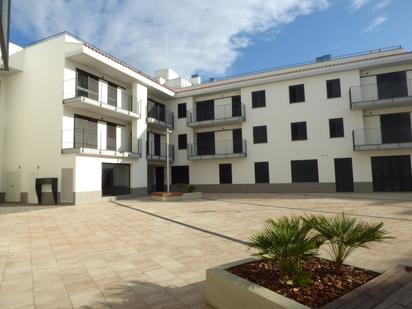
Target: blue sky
point(218, 37)
point(336, 30)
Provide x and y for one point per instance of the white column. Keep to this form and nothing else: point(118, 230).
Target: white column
point(138, 175)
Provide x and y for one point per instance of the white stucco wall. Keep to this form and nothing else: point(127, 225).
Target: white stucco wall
point(280, 150)
point(34, 102)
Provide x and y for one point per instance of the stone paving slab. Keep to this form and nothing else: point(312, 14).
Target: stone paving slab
point(146, 254)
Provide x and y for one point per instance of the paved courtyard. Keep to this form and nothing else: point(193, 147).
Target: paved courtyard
point(145, 254)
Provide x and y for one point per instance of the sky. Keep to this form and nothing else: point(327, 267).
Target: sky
point(218, 38)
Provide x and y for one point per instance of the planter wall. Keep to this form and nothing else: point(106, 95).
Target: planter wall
point(225, 290)
point(182, 197)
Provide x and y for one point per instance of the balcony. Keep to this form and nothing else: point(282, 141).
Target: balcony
point(80, 141)
point(381, 95)
point(375, 139)
point(157, 151)
point(158, 117)
point(98, 97)
point(220, 115)
point(217, 150)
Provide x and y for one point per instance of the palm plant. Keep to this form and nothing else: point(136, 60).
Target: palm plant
point(343, 234)
point(286, 241)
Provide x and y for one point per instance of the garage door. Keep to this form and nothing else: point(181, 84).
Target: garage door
point(391, 173)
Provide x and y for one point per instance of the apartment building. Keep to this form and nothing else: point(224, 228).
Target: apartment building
point(79, 126)
point(337, 124)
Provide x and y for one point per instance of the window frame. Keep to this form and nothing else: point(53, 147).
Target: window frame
point(336, 126)
point(330, 92)
point(257, 101)
point(258, 176)
point(182, 144)
point(296, 125)
point(225, 179)
point(296, 98)
point(260, 135)
point(303, 176)
point(180, 112)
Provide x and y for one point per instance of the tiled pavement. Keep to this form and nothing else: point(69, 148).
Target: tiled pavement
point(145, 254)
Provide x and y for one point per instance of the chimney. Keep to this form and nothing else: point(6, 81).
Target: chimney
point(195, 79)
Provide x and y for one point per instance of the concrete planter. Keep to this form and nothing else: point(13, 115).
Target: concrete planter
point(225, 290)
point(177, 197)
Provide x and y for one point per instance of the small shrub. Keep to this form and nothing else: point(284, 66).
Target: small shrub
point(287, 241)
point(183, 187)
point(343, 234)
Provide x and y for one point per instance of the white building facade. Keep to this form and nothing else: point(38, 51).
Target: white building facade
point(81, 126)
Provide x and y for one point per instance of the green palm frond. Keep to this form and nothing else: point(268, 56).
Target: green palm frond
point(286, 240)
point(344, 234)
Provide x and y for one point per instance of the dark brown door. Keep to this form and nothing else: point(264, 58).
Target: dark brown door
point(396, 128)
point(85, 132)
point(157, 145)
point(205, 110)
point(112, 94)
point(236, 106)
point(205, 143)
point(160, 178)
point(344, 175)
point(111, 136)
point(237, 141)
point(391, 173)
point(392, 85)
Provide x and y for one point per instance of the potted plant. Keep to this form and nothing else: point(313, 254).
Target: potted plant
point(288, 273)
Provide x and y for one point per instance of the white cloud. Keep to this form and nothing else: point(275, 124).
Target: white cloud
point(204, 36)
point(377, 4)
point(357, 4)
point(382, 4)
point(375, 23)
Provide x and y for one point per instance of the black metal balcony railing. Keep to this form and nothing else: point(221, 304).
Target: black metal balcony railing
point(161, 116)
point(80, 138)
point(378, 92)
point(157, 151)
point(219, 149)
point(376, 137)
point(102, 93)
point(219, 113)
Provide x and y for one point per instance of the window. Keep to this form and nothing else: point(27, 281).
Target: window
point(298, 131)
point(181, 110)
point(182, 141)
point(205, 143)
point(392, 85)
point(336, 127)
point(297, 93)
point(260, 135)
point(180, 174)
point(333, 88)
point(305, 171)
point(85, 132)
point(261, 172)
point(258, 98)
point(115, 179)
point(205, 110)
point(225, 173)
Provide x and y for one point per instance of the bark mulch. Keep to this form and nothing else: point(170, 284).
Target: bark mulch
point(326, 284)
